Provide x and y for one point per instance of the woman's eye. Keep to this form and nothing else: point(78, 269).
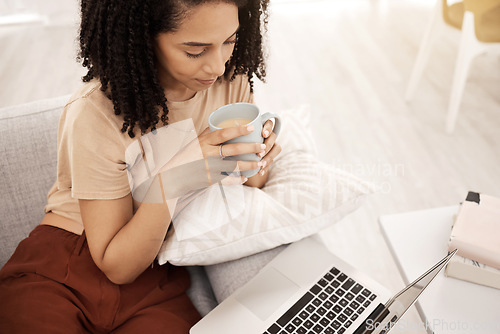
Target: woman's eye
point(191, 55)
point(197, 55)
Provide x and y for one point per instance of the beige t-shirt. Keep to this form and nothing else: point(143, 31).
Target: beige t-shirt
point(91, 147)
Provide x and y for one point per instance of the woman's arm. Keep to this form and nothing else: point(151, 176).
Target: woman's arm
point(123, 243)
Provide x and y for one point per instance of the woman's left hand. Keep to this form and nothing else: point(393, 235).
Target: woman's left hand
point(268, 155)
point(272, 147)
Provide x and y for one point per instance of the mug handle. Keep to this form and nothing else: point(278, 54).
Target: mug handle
point(277, 122)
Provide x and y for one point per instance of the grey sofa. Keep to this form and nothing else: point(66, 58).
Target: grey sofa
point(28, 135)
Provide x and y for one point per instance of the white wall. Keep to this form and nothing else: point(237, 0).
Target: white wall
point(56, 11)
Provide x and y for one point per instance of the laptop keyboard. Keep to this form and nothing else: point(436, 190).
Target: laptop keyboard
point(330, 306)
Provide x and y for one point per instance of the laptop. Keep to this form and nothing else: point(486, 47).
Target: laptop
point(307, 289)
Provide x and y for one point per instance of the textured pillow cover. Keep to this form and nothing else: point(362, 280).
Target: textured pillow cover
point(301, 197)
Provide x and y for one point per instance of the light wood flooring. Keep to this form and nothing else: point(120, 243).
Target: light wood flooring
point(350, 61)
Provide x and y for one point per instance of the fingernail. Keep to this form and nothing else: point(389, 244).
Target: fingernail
point(263, 146)
point(266, 133)
point(262, 163)
point(262, 172)
point(261, 154)
point(245, 179)
point(250, 128)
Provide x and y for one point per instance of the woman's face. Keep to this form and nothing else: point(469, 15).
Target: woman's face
point(193, 57)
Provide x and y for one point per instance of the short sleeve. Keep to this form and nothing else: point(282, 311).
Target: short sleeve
point(240, 90)
point(92, 152)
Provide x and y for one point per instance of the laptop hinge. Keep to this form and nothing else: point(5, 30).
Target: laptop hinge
point(370, 324)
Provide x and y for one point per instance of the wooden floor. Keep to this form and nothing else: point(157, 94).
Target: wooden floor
point(350, 61)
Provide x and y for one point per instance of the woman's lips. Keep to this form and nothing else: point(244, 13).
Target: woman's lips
point(206, 82)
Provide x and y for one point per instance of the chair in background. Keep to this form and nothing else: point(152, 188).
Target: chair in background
point(479, 21)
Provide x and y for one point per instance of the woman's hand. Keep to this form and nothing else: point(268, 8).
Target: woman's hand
point(213, 150)
point(272, 149)
point(212, 145)
point(192, 169)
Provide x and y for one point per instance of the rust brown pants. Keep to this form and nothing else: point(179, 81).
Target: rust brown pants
point(52, 285)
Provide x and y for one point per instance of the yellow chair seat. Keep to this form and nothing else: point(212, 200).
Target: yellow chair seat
point(486, 17)
point(454, 14)
point(488, 26)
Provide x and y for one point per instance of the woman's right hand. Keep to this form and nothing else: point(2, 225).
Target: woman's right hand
point(211, 144)
point(192, 170)
point(213, 150)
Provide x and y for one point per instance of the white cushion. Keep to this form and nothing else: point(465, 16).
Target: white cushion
point(302, 196)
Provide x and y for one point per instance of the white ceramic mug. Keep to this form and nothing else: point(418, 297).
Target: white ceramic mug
point(249, 111)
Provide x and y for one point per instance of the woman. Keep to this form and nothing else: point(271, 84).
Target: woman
point(90, 265)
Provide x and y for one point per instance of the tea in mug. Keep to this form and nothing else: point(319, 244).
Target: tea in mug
point(233, 122)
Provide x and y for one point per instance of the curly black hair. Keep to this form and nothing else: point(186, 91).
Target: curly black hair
point(116, 46)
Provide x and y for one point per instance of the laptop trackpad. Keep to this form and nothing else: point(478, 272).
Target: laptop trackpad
point(266, 292)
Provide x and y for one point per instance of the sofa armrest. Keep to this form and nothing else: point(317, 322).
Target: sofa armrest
point(28, 136)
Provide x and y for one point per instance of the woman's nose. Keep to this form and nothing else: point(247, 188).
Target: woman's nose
point(216, 64)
